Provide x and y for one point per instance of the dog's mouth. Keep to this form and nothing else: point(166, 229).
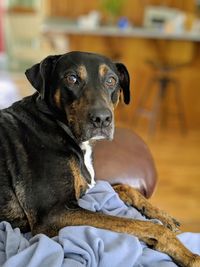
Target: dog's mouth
point(102, 134)
point(99, 133)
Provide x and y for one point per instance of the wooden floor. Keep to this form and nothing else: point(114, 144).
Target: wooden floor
point(177, 160)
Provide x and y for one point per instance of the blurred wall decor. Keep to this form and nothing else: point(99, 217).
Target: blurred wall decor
point(24, 42)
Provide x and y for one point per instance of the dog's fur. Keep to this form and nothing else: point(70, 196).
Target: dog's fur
point(45, 147)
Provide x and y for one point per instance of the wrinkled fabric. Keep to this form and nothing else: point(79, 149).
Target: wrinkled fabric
point(85, 246)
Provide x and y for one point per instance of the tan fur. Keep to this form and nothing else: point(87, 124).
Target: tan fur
point(82, 72)
point(57, 96)
point(13, 209)
point(117, 102)
point(80, 184)
point(103, 69)
point(78, 109)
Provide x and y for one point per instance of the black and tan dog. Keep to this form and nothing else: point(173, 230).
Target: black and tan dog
point(45, 149)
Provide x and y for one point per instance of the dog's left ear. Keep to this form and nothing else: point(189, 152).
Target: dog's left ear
point(124, 81)
point(39, 74)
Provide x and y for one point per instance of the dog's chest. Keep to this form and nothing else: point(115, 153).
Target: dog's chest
point(87, 150)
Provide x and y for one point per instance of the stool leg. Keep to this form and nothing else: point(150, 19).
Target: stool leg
point(164, 86)
point(180, 106)
point(164, 114)
point(140, 110)
point(155, 111)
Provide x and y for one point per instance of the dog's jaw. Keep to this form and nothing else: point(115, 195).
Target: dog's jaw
point(87, 150)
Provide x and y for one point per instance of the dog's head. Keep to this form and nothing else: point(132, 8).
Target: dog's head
point(83, 89)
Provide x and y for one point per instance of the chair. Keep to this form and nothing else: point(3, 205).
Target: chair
point(162, 80)
point(125, 160)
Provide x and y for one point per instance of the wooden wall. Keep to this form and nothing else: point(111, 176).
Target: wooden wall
point(135, 51)
point(133, 9)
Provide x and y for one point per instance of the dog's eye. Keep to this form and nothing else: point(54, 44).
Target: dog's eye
point(111, 81)
point(71, 79)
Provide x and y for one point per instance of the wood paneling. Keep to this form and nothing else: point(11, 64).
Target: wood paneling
point(133, 9)
point(69, 8)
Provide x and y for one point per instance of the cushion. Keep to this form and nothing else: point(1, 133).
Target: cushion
point(125, 160)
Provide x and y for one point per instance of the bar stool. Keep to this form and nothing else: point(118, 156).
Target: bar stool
point(162, 80)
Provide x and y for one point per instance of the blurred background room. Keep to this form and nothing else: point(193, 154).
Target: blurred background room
point(158, 41)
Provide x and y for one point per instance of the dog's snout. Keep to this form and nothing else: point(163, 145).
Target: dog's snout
point(100, 118)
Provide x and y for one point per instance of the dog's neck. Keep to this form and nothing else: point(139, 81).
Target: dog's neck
point(86, 147)
point(67, 130)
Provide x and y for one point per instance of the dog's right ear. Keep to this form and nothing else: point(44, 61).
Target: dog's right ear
point(39, 74)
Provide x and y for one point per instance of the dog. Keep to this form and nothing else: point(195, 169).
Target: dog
point(46, 144)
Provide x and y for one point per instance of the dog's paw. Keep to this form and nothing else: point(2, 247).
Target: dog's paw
point(195, 261)
point(167, 220)
point(162, 216)
point(133, 198)
point(170, 223)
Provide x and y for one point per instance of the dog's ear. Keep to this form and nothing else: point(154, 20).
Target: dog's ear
point(39, 74)
point(124, 81)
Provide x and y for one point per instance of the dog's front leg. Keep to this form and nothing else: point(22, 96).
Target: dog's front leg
point(134, 198)
point(154, 235)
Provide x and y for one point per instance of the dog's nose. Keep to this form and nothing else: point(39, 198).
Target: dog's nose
point(100, 117)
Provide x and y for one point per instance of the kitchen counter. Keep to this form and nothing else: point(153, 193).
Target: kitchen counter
point(65, 27)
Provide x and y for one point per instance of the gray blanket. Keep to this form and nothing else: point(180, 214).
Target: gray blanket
point(83, 246)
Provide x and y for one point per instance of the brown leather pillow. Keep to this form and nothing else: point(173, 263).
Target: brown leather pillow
point(126, 160)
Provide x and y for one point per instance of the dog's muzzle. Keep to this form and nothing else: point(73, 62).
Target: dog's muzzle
point(101, 121)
